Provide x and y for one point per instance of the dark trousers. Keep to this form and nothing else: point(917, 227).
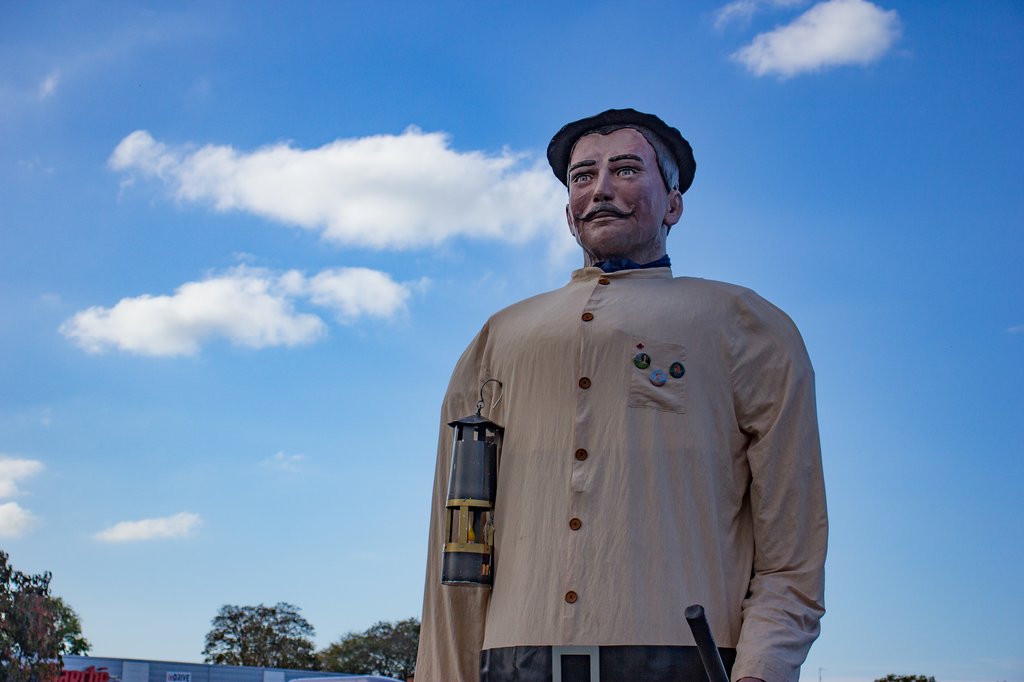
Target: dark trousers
point(617, 664)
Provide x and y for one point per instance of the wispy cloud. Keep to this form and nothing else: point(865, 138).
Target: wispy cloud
point(99, 50)
point(49, 85)
point(15, 520)
point(247, 306)
point(12, 470)
point(831, 33)
point(742, 11)
point(1016, 329)
point(35, 166)
point(382, 192)
point(284, 462)
point(178, 526)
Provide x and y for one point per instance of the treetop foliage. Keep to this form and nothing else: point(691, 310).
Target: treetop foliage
point(263, 636)
point(36, 628)
point(905, 678)
point(387, 649)
point(279, 637)
point(69, 629)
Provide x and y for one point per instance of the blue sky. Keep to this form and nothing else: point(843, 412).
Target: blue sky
point(243, 244)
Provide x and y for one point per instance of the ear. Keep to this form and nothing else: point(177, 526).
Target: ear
point(675, 209)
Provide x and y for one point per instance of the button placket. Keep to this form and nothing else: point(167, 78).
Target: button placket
point(581, 464)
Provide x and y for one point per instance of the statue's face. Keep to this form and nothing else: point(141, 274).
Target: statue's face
point(618, 204)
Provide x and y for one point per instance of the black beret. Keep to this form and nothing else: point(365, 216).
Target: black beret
point(560, 147)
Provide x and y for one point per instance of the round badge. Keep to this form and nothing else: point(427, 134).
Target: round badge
point(642, 360)
point(658, 377)
point(676, 369)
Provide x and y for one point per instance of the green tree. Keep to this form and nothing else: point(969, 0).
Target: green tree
point(36, 628)
point(69, 629)
point(387, 649)
point(905, 678)
point(265, 636)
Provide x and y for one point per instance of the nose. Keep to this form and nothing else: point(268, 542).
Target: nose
point(602, 188)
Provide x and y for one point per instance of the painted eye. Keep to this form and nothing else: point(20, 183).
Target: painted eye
point(626, 171)
point(582, 177)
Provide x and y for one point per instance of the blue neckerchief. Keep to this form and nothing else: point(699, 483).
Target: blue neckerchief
point(616, 263)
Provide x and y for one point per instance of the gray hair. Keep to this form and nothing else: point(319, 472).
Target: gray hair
point(666, 159)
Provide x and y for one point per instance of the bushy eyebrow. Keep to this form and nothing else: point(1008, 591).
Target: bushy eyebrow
point(613, 159)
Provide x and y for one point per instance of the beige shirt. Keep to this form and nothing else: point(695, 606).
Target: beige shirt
point(707, 489)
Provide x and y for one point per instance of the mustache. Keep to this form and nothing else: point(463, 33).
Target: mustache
point(611, 209)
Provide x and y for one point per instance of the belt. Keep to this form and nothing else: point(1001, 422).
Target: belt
point(596, 664)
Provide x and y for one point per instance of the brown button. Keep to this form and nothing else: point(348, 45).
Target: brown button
point(604, 280)
point(584, 382)
point(587, 317)
point(575, 523)
point(571, 597)
point(582, 454)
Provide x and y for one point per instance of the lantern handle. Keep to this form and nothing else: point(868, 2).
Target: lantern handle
point(501, 393)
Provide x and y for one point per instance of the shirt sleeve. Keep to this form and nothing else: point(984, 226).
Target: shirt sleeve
point(773, 394)
point(452, 630)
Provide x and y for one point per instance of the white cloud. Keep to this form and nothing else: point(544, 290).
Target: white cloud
point(13, 470)
point(384, 191)
point(178, 526)
point(15, 521)
point(49, 85)
point(247, 306)
point(742, 11)
point(352, 292)
point(243, 306)
point(1016, 329)
point(830, 33)
point(285, 462)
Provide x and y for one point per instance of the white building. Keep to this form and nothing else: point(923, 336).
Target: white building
point(96, 669)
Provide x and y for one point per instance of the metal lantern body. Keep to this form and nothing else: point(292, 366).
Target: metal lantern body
point(468, 554)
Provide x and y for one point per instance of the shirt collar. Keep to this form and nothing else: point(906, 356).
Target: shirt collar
point(616, 263)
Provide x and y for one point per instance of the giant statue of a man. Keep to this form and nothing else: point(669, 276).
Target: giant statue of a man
point(660, 449)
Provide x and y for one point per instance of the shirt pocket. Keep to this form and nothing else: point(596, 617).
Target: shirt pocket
point(657, 376)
